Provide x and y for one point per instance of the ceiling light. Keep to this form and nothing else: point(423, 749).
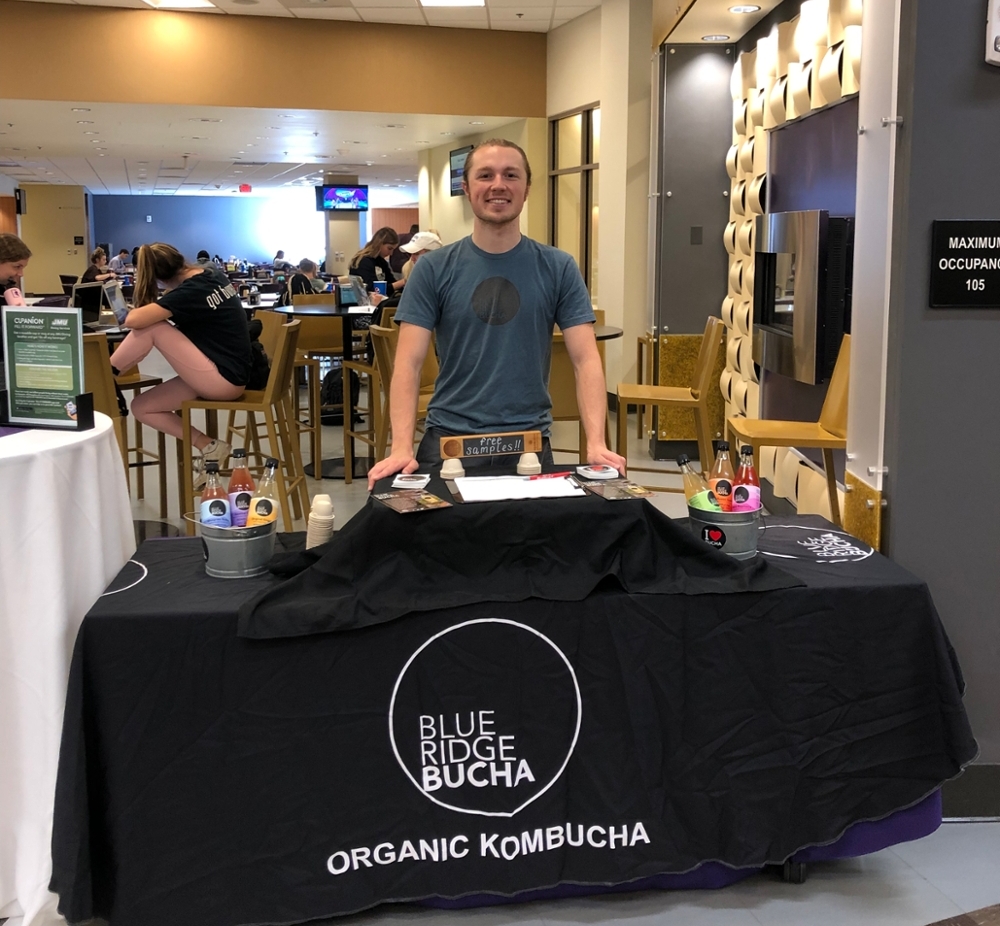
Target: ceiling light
point(745, 8)
point(453, 2)
point(286, 116)
point(477, 123)
point(84, 121)
point(179, 4)
point(90, 133)
point(96, 141)
point(246, 2)
point(423, 142)
point(200, 119)
point(447, 133)
point(100, 149)
point(80, 109)
point(715, 38)
point(391, 125)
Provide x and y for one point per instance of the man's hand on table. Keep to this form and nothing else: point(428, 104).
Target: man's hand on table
point(602, 456)
point(392, 464)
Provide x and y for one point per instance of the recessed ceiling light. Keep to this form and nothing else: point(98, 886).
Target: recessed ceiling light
point(84, 121)
point(447, 133)
point(453, 2)
point(96, 141)
point(391, 125)
point(90, 133)
point(260, 137)
point(80, 109)
point(715, 38)
point(100, 149)
point(179, 4)
point(745, 8)
point(423, 142)
point(200, 119)
point(102, 155)
point(286, 116)
point(477, 123)
point(275, 128)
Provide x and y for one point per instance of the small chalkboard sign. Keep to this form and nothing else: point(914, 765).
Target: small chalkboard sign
point(488, 445)
point(965, 265)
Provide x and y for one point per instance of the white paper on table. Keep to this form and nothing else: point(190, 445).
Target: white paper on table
point(508, 488)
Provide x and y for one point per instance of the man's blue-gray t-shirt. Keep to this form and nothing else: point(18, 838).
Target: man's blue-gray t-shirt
point(494, 315)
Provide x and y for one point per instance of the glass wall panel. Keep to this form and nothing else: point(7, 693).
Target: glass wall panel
point(595, 136)
point(569, 203)
point(569, 142)
point(594, 176)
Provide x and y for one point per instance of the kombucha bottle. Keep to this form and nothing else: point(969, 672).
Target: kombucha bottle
point(241, 489)
point(721, 478)
point(746, 485)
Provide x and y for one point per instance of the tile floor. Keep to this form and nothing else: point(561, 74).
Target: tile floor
point(955, 870)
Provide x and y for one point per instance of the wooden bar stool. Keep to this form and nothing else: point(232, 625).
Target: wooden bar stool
point(133, 381)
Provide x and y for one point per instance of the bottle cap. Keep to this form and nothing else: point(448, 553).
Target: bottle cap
point(211, 466)
point(724, 445)
point(240, 453)
point(746, 448)
point(682, 459)
point(271, 461)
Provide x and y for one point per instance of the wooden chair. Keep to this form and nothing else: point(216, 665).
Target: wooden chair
point(275, 404)
point(133, 381)
point(100, 381)
point(827, 434)
point(694, 397)
point(384, 340)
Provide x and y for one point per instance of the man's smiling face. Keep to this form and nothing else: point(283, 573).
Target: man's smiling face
point(497, 185)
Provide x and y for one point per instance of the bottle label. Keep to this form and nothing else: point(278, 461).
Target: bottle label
point(239, 506)
point(705, 501)
point(723, 490)
point(262, 510)
point(215, 513)
point(746, 498)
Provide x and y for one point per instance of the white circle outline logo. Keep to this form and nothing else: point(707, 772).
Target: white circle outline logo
point(125, 588)
point(572, 745)
point(813, 559)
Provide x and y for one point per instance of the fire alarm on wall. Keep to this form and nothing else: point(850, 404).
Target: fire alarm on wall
point(149, 218)
point(993, 32)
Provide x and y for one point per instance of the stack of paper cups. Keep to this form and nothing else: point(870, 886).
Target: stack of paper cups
point(320, 525)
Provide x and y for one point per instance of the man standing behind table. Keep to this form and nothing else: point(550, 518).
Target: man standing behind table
point(493, 299)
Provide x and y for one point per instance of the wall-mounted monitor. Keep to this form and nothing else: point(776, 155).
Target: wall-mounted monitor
point(457, 161)
point(342, 198)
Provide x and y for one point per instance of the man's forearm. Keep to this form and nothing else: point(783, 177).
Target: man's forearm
point(591, 398)
point(403, 393)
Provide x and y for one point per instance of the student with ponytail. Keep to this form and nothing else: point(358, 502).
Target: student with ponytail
point(198, 324)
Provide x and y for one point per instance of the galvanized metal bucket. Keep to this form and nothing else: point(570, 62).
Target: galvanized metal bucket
point(236, 552)
point(732, 532)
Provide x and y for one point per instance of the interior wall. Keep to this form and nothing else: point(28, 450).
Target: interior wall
point(8, 215)
point(451, 216)
point(399, 218)
point(943, 378)
point(571, 78)
point(251, 228)
point(156, 56)
point(55, 218)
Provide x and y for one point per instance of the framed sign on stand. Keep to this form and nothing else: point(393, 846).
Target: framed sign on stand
point(43, 374)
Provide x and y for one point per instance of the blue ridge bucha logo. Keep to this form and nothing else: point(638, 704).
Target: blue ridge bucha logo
point(485, 716)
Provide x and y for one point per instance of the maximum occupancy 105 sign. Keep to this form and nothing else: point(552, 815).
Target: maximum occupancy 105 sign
point(965, 265)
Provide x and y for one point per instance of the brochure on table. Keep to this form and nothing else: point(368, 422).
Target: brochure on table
point(44, 366)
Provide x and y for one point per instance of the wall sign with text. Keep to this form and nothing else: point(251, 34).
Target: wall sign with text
point(965, 265)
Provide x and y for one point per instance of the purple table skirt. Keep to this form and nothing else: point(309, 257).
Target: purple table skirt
point(914, 822)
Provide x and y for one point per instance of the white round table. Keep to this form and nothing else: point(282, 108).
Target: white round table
point(65, 532)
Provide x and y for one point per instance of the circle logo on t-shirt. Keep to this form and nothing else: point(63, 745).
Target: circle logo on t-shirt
point(496, 301)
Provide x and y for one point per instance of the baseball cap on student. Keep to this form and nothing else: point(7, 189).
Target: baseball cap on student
point(421, 241)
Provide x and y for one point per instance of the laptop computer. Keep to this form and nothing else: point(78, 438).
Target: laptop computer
point(116, 300)
point(89, 298)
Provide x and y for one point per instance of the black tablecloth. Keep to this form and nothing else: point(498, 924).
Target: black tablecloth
point(228, 780)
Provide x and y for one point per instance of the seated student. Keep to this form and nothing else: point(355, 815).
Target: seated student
point(418, 245)
point(120, 262)
point(371, 262)
point(98, 270)
point(300, 283)
point(280, 264)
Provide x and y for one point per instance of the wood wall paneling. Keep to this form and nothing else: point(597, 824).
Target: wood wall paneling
point(260, 61)
point(8, 215)
point(400, 219)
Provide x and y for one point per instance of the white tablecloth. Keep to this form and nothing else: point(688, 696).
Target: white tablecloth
point(65, 532)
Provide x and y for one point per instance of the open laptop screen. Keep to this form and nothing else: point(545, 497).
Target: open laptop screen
point(87, 298)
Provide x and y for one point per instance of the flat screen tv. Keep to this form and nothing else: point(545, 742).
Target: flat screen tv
point(342, 198)
point(457, 160)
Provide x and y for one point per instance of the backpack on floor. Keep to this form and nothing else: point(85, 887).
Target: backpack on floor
point(332, 393)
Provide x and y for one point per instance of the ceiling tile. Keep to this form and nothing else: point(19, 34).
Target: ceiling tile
point(261, 8)
point(522, 25)
point(397, 4)
point(411, 16)
point(444, 16)
point(508, 14)
point(329, 13)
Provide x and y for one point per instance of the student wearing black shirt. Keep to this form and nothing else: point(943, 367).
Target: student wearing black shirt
point(98, 270)
point(301, 283)
point(199, 326)
point(14, 256)
point(371, 264)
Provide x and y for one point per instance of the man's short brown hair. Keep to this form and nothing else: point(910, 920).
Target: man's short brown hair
point(496, 143)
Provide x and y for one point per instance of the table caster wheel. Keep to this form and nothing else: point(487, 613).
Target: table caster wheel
point(793, 872)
